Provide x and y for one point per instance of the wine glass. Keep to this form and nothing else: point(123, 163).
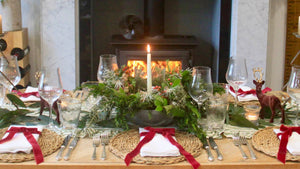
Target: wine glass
point(201, 87)
point(108, 62)
point(10, 75)
point(50, 89)
point(293, 88)
point(236, 74)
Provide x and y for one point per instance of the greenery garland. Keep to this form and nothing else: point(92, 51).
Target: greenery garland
point(123, 95)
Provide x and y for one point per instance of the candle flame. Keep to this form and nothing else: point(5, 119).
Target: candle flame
point(148, 48)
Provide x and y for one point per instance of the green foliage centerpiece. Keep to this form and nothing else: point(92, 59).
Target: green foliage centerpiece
point(123, 94)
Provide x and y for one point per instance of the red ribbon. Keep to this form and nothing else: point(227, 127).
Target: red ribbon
point(252, 91)
point(26, 94)
point(38, 155)
point(167, 133)
point(287, 132)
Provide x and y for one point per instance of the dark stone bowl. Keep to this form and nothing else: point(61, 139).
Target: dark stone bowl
point(152, 118)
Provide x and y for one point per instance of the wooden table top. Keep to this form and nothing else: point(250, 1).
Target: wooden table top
point(81, 159)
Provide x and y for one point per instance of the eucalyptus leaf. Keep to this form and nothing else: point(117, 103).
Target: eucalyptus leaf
point(15, 100)
point(241, 121)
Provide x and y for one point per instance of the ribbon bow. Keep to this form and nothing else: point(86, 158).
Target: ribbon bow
point(252, 91)
point(286, 133)
point(38, 155)
point(26, 94)
point(167, 133)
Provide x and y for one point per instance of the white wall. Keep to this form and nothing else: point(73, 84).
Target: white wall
point(31, 19)
point(276, 44)
point(258, 34)
point(250, 33)
point(52, 36)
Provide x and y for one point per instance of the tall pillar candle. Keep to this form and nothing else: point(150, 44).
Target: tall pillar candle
point(299, 26)
point(149, 73)
point(0, 24)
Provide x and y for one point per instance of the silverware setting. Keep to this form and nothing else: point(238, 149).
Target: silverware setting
point(215, 147)
point(96, 143)
point(237, 142)
point(210, 157)
point(71, 147)
point(104, 139)
point(63, 147)
point(245, 142)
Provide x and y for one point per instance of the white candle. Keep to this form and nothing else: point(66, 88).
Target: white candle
point(149, 73)
point(299, 26)
point(0, 24)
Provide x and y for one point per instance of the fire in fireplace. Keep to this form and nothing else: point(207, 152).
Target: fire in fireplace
point(168, 66)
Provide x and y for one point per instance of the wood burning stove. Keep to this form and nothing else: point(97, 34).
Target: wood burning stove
point(166, 26)
point(172, 48)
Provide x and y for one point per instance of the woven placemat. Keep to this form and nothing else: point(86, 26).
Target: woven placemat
point(266, 141)
point(49, 142)
point(125, 142)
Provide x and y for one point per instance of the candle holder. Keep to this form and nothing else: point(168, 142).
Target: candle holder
point(252, 113)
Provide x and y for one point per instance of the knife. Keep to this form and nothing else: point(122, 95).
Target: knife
point(206, 147)
point(63, 146)
point(215, 147)
point(71, 147)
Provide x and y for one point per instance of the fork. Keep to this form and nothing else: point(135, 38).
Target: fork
point(237, 142)
point(104, 141)
point(96, 143)
point(245, 142)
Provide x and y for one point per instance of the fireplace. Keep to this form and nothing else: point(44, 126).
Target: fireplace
point(188, 33)
point(178, 50)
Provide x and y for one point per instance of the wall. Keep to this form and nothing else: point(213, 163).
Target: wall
point(250, 33)
point(276, 44)
point(52, 36)
point(31, 12)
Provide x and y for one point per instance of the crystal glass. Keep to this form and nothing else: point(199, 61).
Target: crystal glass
point(236, 74)
point(293, 88)
point(50, 89)
point(108, 62)
point(201, 87)
point(69, 111)
point(11, 73)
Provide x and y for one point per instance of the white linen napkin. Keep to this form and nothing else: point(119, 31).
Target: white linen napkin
point(19, 143)
point(158, 146)
point(30, 98)
point(293, 145)
point(244, 98)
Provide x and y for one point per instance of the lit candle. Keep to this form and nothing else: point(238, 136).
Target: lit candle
point(0, 24)
point(299, 26)
point(251, 116)
point(63, 104)
point(149, 73)
point(252, 113)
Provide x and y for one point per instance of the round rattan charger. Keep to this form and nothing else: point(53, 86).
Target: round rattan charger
point(49, 142)
point(125, 142)
point(266, 141)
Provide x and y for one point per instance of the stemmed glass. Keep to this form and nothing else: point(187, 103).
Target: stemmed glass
point(293, 88)
point(201, 87)
point(50, 89)
point(236, 74)
point(107, 63)
point(11, 73)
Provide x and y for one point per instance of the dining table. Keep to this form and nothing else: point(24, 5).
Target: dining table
point(81, 159)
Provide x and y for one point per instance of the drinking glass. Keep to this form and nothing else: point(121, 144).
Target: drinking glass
point(236, 74)
point(201, 87)
point(50, 89)
point(293, 88)
point(69, 111)
point(108, 62)
point(11, 73)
